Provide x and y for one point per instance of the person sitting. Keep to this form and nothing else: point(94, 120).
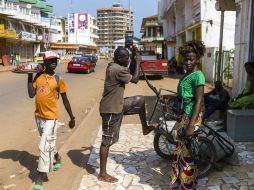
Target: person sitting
point(217, 99)
point(245, 100)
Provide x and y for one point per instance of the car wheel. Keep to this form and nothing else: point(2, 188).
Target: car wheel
point(69, 71)
point(88, 71)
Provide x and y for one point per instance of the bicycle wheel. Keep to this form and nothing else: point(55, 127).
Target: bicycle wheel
point(203, 153)
point(162, 146)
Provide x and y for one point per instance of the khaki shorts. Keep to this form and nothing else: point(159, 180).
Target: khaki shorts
point(111, 122)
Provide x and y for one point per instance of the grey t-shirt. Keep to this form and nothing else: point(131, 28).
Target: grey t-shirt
point(114, 85)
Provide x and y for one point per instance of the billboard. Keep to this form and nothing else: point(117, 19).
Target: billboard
point(71, 23)
point(82, 21)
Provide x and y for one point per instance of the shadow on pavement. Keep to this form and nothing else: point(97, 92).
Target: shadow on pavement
point(25, 159)
point(80, 158)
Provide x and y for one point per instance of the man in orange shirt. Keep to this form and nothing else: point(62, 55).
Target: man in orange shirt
point(46, 87)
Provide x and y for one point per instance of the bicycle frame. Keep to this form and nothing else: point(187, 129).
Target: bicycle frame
point(159, 99)
point(222, 141)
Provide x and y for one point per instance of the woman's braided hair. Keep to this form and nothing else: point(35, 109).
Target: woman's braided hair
point(194, 46)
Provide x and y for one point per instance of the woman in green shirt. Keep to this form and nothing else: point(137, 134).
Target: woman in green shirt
point(191, 91)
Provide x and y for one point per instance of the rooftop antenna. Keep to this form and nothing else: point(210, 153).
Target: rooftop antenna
point(71, 6)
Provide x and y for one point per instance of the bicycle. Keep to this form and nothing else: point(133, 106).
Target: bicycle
point(201, 144)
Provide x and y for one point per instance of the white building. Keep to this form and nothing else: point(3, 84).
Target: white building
point(82, 29)
point(185, 20)
point(244, 42)
point(26, 28)
point(113, 23)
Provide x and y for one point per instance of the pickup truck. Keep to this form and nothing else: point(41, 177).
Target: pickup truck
point(152, 65)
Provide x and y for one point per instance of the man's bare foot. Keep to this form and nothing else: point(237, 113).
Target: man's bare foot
point(107, 178)
point(150, 128)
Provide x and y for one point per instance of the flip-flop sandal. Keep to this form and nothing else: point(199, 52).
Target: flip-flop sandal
point(110, 179)
point(57, 165)
point(38, 186)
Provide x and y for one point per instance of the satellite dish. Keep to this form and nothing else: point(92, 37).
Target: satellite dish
point(28, 6)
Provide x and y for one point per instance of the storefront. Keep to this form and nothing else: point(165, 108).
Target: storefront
point(5, 35)
point(24, 47)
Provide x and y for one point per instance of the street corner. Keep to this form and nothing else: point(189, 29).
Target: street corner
point(132, 160)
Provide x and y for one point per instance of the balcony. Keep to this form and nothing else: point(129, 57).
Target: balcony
point(48, 9)
point(29, 1)
point(152, 39)
point(41, 4)
point(152, 24)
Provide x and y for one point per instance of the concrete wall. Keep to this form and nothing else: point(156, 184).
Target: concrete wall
point(211, 26)
point(209, 66)
point(241, 44)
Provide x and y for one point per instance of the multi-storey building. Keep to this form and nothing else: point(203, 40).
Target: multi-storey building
point(113, 23)
point(77, 33)
point(26, 28)
point(152, 38)
point(185, 20)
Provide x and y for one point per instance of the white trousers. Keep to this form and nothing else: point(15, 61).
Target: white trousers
point(47, 144)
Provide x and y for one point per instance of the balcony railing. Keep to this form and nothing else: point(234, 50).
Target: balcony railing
point(29, 1)
point(152, 24)
point(151, 39)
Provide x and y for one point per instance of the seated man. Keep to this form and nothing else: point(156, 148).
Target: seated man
point(245, 100)
point(217, 99)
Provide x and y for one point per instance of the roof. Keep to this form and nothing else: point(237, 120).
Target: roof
point(113, 9)
point(153, 17)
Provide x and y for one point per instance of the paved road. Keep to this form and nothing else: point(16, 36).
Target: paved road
point(19, 137)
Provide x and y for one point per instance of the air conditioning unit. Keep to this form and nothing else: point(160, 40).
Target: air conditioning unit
point(225, 5)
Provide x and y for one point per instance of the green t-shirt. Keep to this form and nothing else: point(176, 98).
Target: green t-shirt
point(187, 87)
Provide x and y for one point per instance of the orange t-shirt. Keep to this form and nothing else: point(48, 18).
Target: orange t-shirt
point(47, 91)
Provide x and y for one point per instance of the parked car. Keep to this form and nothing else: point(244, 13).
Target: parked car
point(92, 58)
point(103, 56)
point(153, 65)
point(80, 64)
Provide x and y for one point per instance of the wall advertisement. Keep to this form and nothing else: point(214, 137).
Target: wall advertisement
point(71, 22)
point(83, 22)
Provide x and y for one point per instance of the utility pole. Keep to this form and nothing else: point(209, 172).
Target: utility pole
point(219, 77)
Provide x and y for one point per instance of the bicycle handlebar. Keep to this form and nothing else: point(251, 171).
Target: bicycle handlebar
point(154, 89)
point(149, 84)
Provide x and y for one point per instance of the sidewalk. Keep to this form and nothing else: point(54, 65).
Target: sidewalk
point(134, 162)
point(10, 67)
point(6, 68)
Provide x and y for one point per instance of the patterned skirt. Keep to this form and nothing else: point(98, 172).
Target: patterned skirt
point(184, 171)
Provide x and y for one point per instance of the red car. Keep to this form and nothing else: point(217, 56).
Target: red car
point(81, 64)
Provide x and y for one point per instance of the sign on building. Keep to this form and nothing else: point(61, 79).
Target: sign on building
point(71, 23)
point(225, 5)
point(28, 36)
point(82, 21)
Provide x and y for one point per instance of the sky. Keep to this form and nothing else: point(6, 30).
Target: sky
point(141, 8)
